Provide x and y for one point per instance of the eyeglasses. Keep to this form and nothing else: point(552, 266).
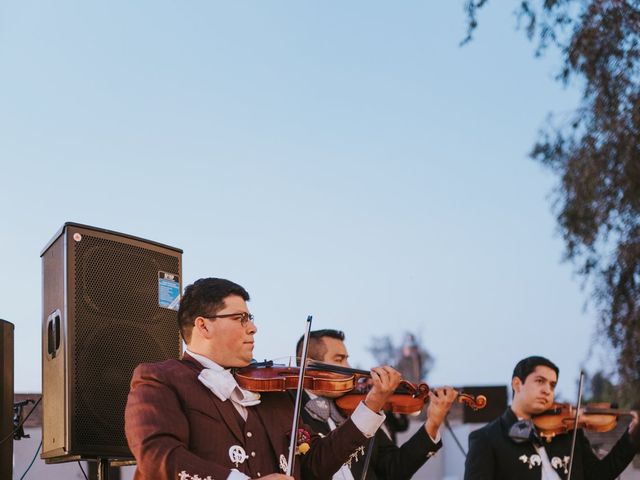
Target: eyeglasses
point(244, 318)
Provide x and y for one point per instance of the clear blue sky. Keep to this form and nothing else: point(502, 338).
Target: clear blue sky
point(343, 159)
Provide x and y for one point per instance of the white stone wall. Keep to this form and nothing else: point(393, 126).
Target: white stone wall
point(25, 449)
point(447, 464)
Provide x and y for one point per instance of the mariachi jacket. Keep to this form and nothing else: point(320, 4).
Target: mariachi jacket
point(494, 456)
point(388, 461)
point(177, 429)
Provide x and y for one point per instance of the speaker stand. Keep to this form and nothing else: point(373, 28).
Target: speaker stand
point(103, 468)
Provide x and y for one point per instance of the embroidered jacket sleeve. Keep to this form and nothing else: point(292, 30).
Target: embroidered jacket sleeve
point(609, 467)
point(157, 431)
point(329, 453)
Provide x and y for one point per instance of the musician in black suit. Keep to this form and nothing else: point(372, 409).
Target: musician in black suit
point(388, 461)
point(511, 448)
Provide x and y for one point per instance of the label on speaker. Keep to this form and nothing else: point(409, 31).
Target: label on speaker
point(168, 290)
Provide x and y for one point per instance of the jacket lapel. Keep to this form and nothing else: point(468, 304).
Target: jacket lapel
point(558, 453)
point(224, 409)
point(526, 462)
point(275, 423)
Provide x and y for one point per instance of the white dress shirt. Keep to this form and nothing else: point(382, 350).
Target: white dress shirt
point(548, 473)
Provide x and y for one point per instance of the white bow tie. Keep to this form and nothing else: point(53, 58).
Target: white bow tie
point(225, 387)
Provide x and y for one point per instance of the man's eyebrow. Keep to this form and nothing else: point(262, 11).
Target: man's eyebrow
point(542, 377)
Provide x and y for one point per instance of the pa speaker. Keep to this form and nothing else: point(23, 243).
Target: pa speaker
point(110, 302)
point(6, 399)
point(496, 404)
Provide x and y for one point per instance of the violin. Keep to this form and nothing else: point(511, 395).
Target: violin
point(561, 418)
point(407, 399)
point(269, 377)
point(326, 379)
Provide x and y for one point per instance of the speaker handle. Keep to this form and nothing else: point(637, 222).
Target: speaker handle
point(53, 333)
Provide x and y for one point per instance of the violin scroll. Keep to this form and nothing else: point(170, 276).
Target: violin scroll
point(475, 403)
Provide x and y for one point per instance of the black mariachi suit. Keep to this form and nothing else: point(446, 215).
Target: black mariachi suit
point(494, 456)
point(388, 461)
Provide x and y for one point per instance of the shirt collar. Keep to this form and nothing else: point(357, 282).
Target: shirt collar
point(206, 362)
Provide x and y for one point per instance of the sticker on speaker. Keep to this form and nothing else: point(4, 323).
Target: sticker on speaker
point(168, 290)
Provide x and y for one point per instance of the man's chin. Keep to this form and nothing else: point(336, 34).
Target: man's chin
point(240, 363)
point(539, 408)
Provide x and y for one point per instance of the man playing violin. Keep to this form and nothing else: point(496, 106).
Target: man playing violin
point(511, 448)
point(387, 461)
point(188, 419)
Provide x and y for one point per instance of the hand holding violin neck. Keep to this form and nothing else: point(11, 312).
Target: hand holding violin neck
point(385, 380)
point(440, 402)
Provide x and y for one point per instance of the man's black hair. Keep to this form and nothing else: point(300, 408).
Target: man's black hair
point(205, 297)
point(526, 366)
point(317, 349)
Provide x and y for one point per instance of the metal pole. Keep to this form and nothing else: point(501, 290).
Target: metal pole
point(6, 399)
point(103, 469)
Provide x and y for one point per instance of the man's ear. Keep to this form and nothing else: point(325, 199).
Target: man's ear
point(200, 325)
point(516, 384)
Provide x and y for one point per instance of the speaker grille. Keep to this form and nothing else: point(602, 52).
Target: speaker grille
point(118, 324)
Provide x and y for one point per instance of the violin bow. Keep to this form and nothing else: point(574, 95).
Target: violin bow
point(367, 459)
point(298, 404)
point(575, 426)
